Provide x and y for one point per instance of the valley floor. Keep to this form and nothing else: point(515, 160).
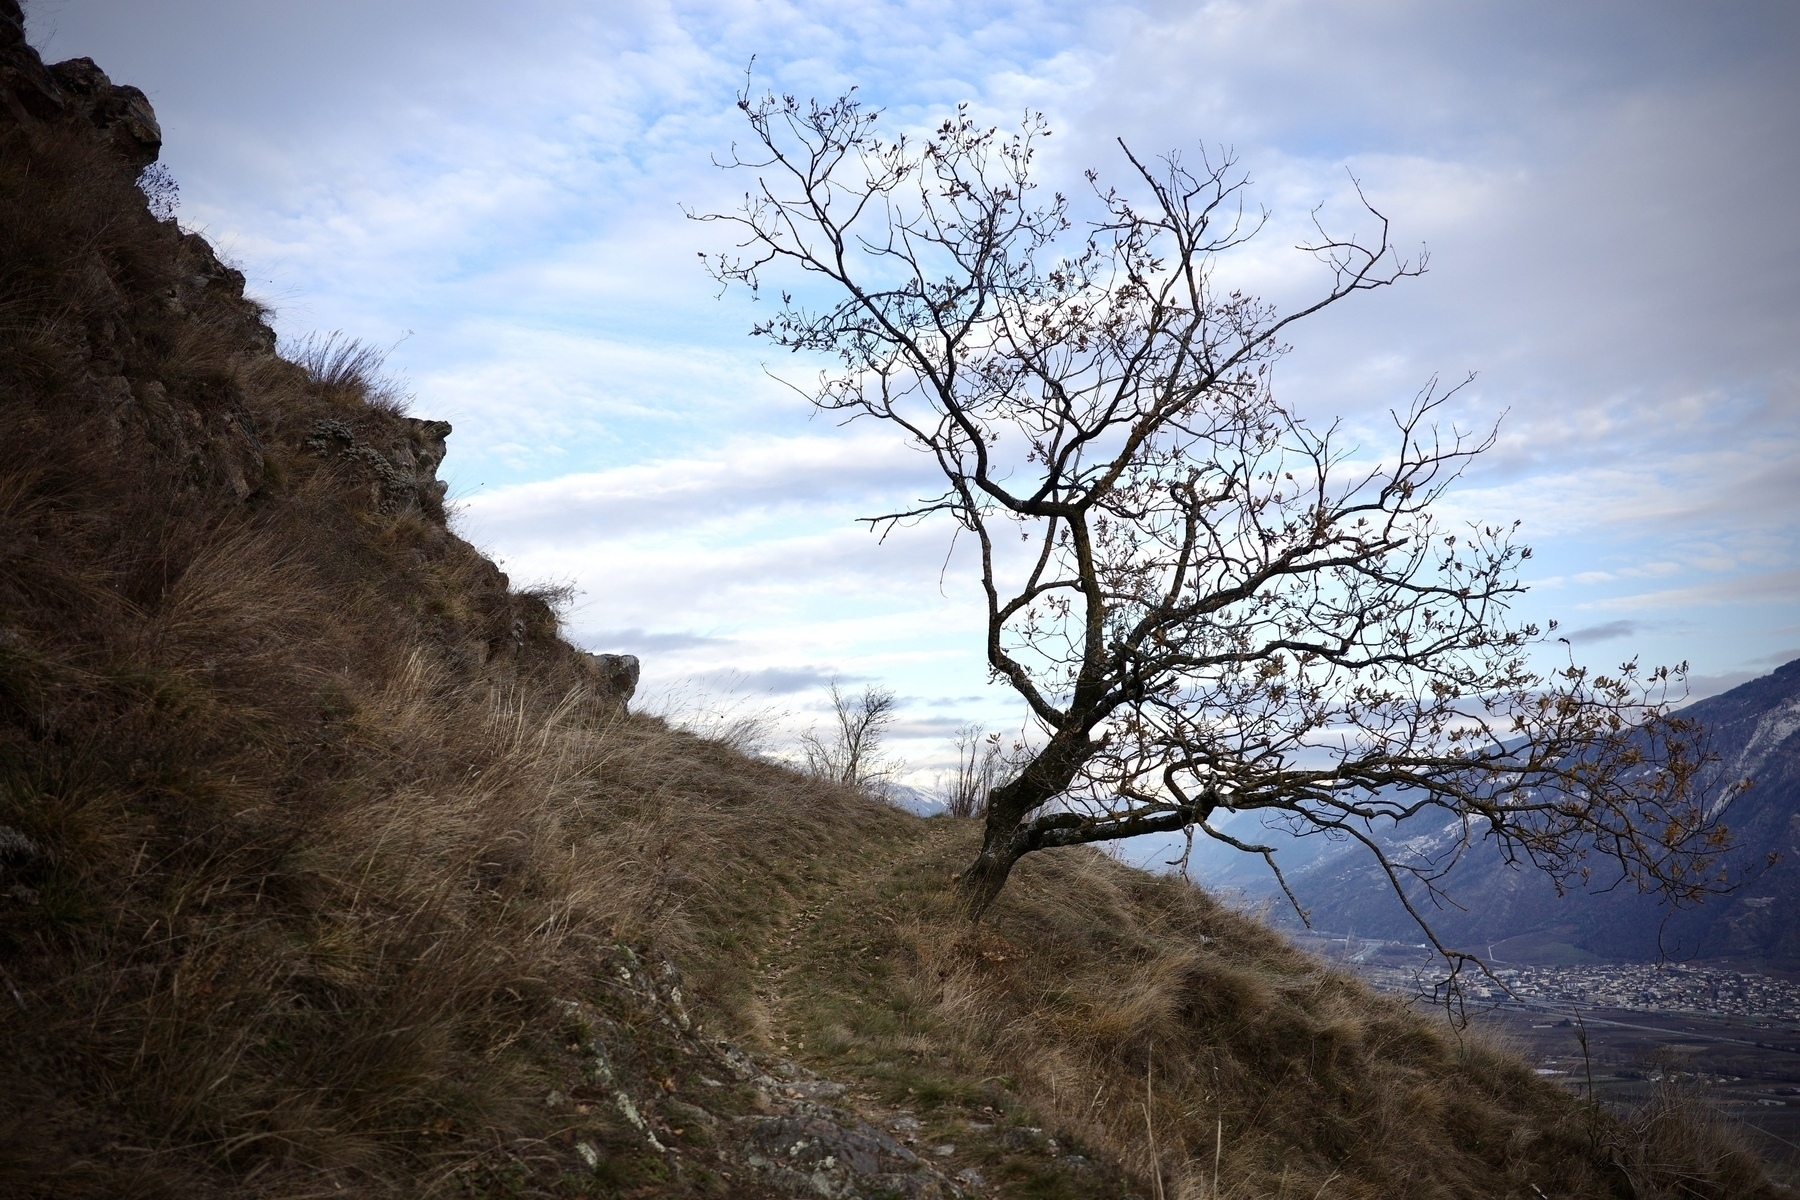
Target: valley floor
point(1731, 1063)
point(1729, 1032)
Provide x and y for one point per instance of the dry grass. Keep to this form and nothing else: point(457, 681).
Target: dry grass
point(1134, 1017)
point(1677, 1146)
point(313, 859)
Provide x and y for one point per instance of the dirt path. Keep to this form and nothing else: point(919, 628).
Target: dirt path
point(783, 981)
point(841, 988)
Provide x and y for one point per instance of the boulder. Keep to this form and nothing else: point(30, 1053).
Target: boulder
point(402, 470)
point(615, 677)
point(122, 113)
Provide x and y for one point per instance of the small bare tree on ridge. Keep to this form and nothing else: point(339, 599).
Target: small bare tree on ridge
point(982, 764)
point(850, 753)
point(1205, 602)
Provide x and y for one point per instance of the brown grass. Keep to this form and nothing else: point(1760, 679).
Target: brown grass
point(1133, 1016)
point(1677, 1145)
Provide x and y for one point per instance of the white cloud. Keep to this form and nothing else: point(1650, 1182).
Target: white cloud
point(748, 481)
point(1772, 587)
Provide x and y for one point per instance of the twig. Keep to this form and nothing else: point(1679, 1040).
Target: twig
point(1588, 1063)
point(1218, 1151)
point(1149, 1126)
point(1218, 1131)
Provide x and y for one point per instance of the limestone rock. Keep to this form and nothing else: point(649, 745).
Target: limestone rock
point(402, 471)
point(122, 112)
point(615, 676)
point(808, 1152)
point(408, 465)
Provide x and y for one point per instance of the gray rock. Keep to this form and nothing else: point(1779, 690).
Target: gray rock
point(123, 113)
point(404, 472)
point(15, 846)
point(805, 1153)
point(615, 677)
point(816, 1089)
point(418, 457)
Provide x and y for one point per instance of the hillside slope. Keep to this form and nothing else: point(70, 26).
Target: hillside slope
point(1754, 729)
point(327, 868)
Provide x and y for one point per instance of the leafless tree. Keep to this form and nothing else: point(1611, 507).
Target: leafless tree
point(982, 763)
point(1205, 602)
point(851, 753)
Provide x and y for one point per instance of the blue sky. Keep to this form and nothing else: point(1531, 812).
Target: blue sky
point(496, 192)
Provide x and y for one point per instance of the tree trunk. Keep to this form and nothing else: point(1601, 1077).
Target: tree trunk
point(1004, 840)
point(982, 881)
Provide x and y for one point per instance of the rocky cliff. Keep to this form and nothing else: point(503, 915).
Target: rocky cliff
point(128, 338)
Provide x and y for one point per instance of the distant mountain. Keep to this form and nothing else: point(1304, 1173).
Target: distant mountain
point(914, 801)
point(1515, 913)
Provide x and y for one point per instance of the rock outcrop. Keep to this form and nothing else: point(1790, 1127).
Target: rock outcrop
point(72, 118)
point(615, 677)
point(402, 471)
point(39, 97)
point(119, 111)
point(137, 334)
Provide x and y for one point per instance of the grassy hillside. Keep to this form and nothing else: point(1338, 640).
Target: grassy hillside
point(327, 869)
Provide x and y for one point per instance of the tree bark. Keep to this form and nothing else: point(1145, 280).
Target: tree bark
point(984, 878)
point(1003, 841)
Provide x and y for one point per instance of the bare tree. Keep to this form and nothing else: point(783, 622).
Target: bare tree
point(982, 762)
point(1205, 602)
point(851, 753)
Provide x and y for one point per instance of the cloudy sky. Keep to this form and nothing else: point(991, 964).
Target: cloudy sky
point(495, 193)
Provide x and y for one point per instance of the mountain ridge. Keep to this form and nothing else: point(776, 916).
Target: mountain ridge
point(1754, 729)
